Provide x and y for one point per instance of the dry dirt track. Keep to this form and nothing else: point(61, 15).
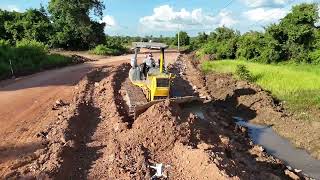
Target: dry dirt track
point(94, 138)
point(25, 105)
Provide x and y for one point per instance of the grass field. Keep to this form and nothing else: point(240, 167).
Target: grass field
point(297, 85)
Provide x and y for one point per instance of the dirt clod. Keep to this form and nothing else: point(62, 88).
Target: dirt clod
point(292, 175)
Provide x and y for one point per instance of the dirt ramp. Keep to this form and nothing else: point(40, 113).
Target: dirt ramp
point(160, 127)
point(163, 134)
point(194, 164)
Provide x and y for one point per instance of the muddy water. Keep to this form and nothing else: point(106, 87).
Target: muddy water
point(282, 148)
point(274, 145)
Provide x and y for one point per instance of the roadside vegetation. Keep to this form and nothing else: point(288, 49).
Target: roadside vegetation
point(27, 37)
point(26, 57)
point(112, 46)
point(298, 85)
point(291, 46)
point(296, 39)
point(283, 59)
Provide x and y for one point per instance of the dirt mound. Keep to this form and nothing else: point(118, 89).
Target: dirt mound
point(158, 128)
point(94, 137)
point(243, 99)
point(163, 135)
point(251, 102)
point(76, 59)
point(187, 81)
point(193, 148)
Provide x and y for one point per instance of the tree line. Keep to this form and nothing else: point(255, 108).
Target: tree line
point(26, 37)
point(296, 38)
point(63, 24)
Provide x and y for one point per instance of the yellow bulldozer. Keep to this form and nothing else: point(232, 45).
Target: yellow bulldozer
point(150, 83)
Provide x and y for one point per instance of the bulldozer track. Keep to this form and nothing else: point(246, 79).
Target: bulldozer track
point(134, 97)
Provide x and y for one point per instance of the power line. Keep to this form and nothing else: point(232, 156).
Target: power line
point(209, 28)
point(257, 24)
point(213, 15)
point(193, 24)
point(230, 2)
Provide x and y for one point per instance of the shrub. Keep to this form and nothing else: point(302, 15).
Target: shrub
point(207, 49)
point(315, 57)
point(28, 56)
point(5, 52)
point(222, 43)
point(243, 73)
point(272, 52)
point(4, 70)
point(55, 61)
point(250, 45)
point(227, 49)
point(107, 50)
point(99, 50)
point(184, 39)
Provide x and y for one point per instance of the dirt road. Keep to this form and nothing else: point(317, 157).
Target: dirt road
point(92, 136)
point(26, 103)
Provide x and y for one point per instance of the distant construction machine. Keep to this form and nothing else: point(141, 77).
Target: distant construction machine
point(150, 84)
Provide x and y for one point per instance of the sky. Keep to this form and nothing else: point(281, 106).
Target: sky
point(161, 17)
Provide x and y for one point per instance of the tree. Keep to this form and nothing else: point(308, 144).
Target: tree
point(74, 29)
point(199, 41)
point(33, 24)
point(317, 41)
point(6, 16)
point(184, 39)
point(298, 27)
point(292, 39)
point(224, 40)
point(250, 45)
point(224, 33)
point(201, 38)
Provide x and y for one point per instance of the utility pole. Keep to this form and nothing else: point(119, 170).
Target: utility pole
point(179, 37)
point(179, 41)
point(12, 72)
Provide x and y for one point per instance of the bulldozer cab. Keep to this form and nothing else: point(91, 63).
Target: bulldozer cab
point(156, 82)
point(159, 46)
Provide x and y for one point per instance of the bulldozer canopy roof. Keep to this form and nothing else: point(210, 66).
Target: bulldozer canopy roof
point(149, 45)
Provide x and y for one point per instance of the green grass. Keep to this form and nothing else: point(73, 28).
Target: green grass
point(105, 50)
point(55, 61)
point(296, 84)
point(27, 57)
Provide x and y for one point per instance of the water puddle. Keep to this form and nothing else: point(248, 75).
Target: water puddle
point(282, 148)
point(274, 145)
point(195, 109)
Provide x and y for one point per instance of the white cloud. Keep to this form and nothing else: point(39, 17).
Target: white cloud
point(318, 23)
point(110, 21)
point(263, 3)
point(266, 15)
point(11, 8)
point(226, 19)
point(165, 18)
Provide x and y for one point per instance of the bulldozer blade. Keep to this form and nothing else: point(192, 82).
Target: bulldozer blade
point(139, 109)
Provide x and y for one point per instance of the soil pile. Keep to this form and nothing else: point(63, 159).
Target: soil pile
point(190, 148)
point(93, 137)
point(252, 103)
point(242, 98)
